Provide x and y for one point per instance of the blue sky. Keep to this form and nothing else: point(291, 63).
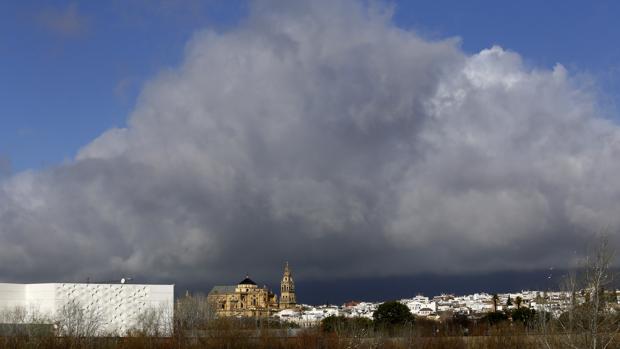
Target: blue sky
point(70, 70)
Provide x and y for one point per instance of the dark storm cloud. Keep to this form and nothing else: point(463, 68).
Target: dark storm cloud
point(319, 133)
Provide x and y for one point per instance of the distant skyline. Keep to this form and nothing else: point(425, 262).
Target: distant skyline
point(192, 142)
point(377, 289)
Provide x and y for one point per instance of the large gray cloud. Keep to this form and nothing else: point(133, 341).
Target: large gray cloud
point(318, 132)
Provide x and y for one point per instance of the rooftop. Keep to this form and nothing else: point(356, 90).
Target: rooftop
point(247, 281)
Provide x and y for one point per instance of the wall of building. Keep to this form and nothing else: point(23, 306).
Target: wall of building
point(12, 295)
point(41, 298)
point(115, 307)
point(243, 300)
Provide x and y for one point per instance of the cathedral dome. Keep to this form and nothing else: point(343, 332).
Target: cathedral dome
point(247, 281)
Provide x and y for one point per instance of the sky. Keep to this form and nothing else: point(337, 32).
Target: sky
point(372, 140)
point(85, 62)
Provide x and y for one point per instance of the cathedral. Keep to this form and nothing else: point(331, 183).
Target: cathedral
point(249, 300)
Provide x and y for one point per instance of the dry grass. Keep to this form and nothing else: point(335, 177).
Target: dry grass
point(233, 334)
point(305, 340)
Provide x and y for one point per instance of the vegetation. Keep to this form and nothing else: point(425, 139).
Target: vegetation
point(393, 314)
point(518, 301)
point(495, 317)
point(495, 300)
point(525, 316)
point(341, 324)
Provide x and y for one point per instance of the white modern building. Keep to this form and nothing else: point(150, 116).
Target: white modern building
point(102, 309)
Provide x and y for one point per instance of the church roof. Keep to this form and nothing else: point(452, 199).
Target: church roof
point(222, 290)
point(247, 281)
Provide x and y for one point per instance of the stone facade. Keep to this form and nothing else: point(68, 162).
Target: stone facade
point(287, 290)
point(248, 300)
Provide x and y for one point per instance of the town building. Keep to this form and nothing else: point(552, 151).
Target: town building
point(287, 290)
point(247, 299)
point(108, 309)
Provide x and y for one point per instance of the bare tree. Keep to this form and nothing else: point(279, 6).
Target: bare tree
point(598, 314)
point(75, 320)
point(193, 312)
point(148, 323)
point(153, 322)
point(591, 320)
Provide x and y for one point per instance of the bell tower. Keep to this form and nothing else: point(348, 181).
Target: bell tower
point(287, 289)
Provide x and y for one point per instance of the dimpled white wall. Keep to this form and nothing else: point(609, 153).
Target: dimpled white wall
point(115, 307)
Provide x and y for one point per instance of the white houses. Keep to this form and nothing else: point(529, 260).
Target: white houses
point(420, 305)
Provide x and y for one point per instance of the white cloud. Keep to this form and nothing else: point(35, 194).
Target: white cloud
point(320, 133)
